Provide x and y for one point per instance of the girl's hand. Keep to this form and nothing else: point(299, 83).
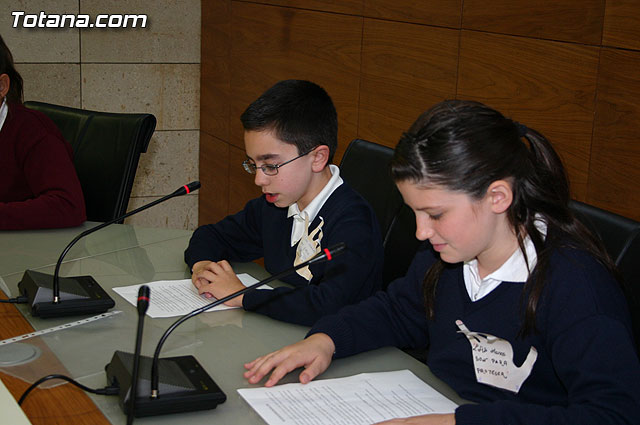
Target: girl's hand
point(446, 419)
point(313, 353)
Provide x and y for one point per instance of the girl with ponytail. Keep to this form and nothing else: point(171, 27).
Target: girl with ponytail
point(517, 301)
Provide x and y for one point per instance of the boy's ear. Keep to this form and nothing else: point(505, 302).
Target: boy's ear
point(500, 196)
point(320, 158)
point(4, 85)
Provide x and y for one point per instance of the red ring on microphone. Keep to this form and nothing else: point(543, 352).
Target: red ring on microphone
point(143, 298)
point(326, 251)
point(187, 189)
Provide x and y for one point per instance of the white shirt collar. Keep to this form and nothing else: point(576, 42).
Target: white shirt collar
point(314, 206)
point(4, 109)
point(513, 270)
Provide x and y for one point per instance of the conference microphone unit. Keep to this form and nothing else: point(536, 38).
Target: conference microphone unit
point(55, 296)
point(180, 384)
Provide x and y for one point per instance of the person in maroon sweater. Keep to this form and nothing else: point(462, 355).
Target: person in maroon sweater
point(39, 187)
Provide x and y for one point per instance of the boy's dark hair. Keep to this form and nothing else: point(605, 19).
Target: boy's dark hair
point(299, 112)
point(464, 146)
point(6, 67)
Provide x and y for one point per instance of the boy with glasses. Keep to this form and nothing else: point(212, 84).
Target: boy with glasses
point(290, 139)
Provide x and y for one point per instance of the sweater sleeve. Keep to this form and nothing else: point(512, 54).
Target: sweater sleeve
point(237, 237)
point(51, 177)
point(395, 317)
point(350, 277)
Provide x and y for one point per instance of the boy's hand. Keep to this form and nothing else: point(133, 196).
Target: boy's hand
point(217, 280)
point(314, 353)
point(200, 274)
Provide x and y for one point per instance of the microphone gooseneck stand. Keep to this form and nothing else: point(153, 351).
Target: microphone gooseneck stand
point(94, 298)
point(197, 391)
point(143, 305)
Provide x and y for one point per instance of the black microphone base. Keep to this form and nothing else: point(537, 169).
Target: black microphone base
point(184, 385)
point(80, 295)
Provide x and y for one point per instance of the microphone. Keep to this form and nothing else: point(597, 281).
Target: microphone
point(186, 385)
point(143, 305)
point(81, 294)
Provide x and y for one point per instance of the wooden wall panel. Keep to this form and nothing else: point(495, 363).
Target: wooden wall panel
point(214, 72)
point(615, 158)
point(215, 92)
point(446, 13)
point(546, 85)
point(405, 69)
point(242, 184)
point(213, 198)
point(351, 7)
point(383, 62)
point(622, 24)
point(568, 20)
point(274, 43)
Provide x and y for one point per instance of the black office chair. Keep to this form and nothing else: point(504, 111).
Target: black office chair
point(365, 167)
point(106, 149)
point(621, 238)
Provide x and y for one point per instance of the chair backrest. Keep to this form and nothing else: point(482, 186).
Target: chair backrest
point(621, 238)
point(106, 149)
point(365, 167)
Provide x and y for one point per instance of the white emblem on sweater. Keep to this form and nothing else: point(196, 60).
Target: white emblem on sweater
point(493, 360)
point(308, 247)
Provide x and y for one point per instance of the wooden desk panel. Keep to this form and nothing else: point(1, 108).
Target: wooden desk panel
point(64, 404)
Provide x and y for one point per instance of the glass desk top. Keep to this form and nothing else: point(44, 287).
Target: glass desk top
point(222, 341)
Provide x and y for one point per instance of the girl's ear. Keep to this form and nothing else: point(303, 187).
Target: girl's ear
point(4, 85)
point(500, 196)
point(320, 158)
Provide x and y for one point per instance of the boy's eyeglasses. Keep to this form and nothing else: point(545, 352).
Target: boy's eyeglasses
point(269, 169)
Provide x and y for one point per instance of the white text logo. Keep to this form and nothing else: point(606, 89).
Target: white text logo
point(43, 20)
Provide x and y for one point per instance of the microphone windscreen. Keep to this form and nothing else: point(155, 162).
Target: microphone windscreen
point(143, 299)
point(327, 254)
point(186, 189)
point(337, 249)
point(193, 186)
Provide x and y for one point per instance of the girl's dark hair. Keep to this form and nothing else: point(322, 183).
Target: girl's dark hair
point(465, 146)
point(7, 67)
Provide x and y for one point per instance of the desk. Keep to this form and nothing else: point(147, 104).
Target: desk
point(221, 341)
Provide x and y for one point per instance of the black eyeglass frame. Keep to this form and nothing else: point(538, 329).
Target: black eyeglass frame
point(268, 169)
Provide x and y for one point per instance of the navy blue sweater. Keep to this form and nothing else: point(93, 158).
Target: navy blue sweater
point(263, 230)
point(587, 371)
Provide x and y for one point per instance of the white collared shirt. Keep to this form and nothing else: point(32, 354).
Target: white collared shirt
point(4, 109)
point(314, 206)
point(513, 270)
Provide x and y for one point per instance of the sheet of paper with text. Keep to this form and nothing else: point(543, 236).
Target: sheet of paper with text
point(366, 398)
point(170, 298)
